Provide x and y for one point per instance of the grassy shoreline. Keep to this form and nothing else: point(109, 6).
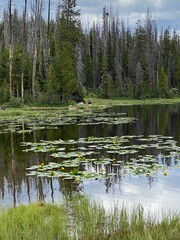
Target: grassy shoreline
point(97, 103)
point(124, 102)
point(83, 219)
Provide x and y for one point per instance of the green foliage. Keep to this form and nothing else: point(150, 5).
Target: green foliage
point(165, 48)
point(162, 83)
point(114, 60)
point(177, 74)
point(4, 91)
point(14, 102)
point(145, 91)
point(130, 89)
point(140, 45)
point(107, 86)
point(63, 75)
point(69, 75)
point(17, 66)
point(88, 72)
point(4, 87)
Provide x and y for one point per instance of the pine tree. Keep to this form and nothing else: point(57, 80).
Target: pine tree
point(4, 77)
point(106, 79)
point(163, 83)
point(151, 53)
point(177, 74)
point(139, 80)
point(64, 67)
point(53, 55)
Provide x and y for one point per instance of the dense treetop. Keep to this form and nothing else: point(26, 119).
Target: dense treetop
point(55, 60)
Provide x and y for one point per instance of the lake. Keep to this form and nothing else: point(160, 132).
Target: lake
point(127, 155)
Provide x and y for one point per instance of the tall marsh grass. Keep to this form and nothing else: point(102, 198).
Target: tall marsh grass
point(82, 219)
point(34, 222)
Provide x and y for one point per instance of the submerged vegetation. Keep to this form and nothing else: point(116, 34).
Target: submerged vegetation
point(79, 218)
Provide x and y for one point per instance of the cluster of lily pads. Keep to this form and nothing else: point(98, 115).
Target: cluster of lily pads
point(23, 124)
point(60, 170)
point(102, 157)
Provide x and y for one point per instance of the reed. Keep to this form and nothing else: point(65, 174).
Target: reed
point(36, 221)
point(81, 219)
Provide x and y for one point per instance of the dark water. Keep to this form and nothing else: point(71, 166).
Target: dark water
point(154, 192)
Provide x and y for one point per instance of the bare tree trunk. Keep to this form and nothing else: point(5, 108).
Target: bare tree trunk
point(10, 48)
point(22, 83)
point(48, 38)
point(38, 5)
point(34, 69)
point(23, 54)
point(34, 10)
point(10, 70)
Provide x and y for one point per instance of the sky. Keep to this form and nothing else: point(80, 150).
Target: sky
point(165, 12)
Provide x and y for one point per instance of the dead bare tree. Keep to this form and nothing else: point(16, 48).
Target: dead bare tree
point(24, 47)
point(48, 37)
point(10, 48)
point(37, 15)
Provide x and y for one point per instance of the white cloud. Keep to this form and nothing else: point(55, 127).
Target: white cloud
point(166, 12)
point(162, 195)
point(127, 2)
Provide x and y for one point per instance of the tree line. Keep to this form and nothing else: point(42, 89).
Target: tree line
point(53, 60)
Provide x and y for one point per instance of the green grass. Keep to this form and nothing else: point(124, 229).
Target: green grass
point(82, 219)
point(37, 221)
point(97, 103)
point(123, 102)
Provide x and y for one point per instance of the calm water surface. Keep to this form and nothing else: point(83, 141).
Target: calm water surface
point(155, 192)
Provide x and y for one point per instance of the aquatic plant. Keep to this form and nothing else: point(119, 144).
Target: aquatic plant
point(120, 146)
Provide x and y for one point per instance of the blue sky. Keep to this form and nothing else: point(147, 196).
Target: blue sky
point(165, 12)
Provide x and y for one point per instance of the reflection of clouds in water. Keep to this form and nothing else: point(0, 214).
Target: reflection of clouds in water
point(163, 196)
point(163, 193)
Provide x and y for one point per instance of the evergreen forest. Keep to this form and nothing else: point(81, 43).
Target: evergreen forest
point(51, 60)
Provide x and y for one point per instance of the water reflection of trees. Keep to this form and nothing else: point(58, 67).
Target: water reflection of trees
point(13, 169)
point(14, 185)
